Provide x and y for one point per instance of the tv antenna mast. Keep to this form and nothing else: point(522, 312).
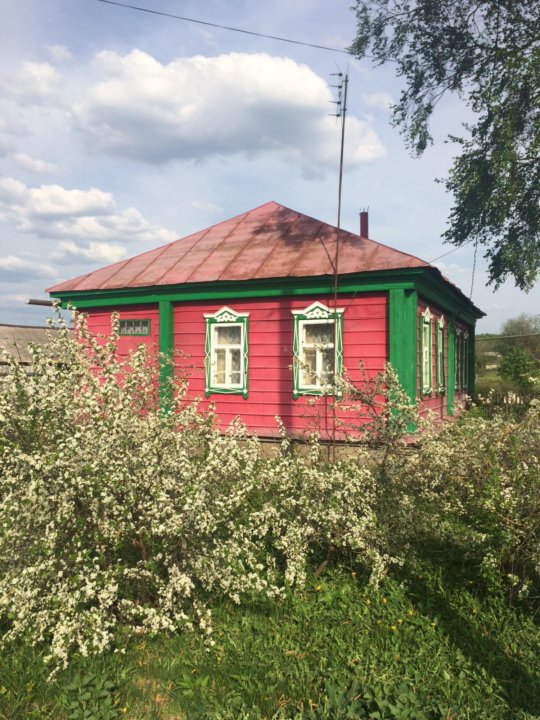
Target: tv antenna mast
point(341, 113)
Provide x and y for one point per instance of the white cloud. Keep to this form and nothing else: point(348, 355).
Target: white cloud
point(51, 211)
point(16, 298)
point(204, 205)
point(14, 268)
point(11, 129)
point(59, 52)
point(26, 162)
point(452, 268)
point(34, 84)
point(382, 100)
point(200, 107)
point(94, 252)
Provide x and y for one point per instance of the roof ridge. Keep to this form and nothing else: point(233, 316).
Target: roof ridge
point(28, 327)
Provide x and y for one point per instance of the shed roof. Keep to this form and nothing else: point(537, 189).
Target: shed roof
point(15, 339)
point(270, 241)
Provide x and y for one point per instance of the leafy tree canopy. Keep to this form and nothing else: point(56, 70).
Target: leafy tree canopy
point(523, 331)
point(517, 366)
point(488, 53)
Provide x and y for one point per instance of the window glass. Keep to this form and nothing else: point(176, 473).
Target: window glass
point(440, 356)
point(317, 353)
point(134, 327)
point(229, 335)
point(226, 355)
point(319, 334)
point(427, 350)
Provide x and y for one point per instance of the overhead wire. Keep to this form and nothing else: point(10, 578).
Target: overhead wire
point(473, 269)
point(207, 23)
point(498, 337)
point(244, 31)
point(451, 251)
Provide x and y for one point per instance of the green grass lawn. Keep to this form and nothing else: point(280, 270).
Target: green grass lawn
point(425, 645)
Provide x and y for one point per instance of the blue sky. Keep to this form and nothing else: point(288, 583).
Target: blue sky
point(120, 131)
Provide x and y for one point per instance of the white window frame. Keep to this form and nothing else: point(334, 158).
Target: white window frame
point(226, 317)
point(317, 314)
point(302, 346)
point(458, 357)
point(228, 348)
point(426, 346)
point(440, 369)
point(465, 362)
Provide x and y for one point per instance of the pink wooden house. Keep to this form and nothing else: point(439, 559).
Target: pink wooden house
point(250, 302)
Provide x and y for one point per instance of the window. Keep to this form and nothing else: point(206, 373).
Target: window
point(462, 359)
point(465, 362)
point(134, 327)
point(441, 378)
point(458, 353)
point(318, 349)
point(226, 357)
point(425, 352)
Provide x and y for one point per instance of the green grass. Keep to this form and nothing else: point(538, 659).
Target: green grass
point(425, 645)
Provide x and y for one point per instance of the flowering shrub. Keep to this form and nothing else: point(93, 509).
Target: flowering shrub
point(116, 512)
point(475, 484)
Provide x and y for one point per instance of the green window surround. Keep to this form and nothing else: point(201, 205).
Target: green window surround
point(465, 362)
point(441, 377)
point(226, 353)
point(426, 362)
point(317, 350)
point(134, 326)
point(452, 361)
point(462, 359)
point(458, 344)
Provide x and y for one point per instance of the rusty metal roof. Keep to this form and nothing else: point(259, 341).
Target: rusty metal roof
point(270, 241)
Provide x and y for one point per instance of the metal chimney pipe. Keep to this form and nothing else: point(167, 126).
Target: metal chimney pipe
point(39, 301)
point(364, 224)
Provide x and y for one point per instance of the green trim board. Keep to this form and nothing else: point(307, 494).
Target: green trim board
point(458, 340)
point(316, 313)
point(471, 361)
point(440, 294)
point(426, 352)
point(439, 356)
point(228, 290)
point(451, 366)
point(402, 343)
point(223, 318)
point(465, 362)
point(433, 287)
point(166, 350)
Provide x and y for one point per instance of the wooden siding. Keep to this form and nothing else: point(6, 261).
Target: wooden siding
point(99, 323)
point(270, 383)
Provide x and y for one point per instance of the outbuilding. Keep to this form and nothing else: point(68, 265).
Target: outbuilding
point(265, 324)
